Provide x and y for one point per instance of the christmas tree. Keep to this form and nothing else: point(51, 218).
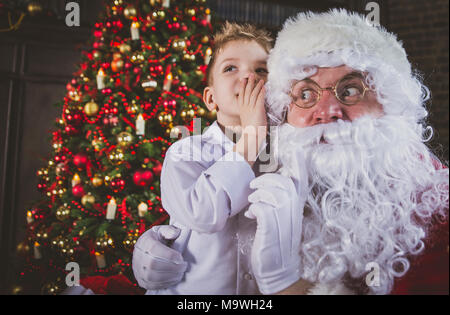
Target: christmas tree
point(134, 90)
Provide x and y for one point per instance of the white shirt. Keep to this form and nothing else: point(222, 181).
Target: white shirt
point(205, 189)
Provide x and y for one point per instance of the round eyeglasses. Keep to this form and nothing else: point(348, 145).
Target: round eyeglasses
point(349, 90)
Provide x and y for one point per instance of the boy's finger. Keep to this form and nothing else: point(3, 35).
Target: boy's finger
point(241, 92)
point(249, 89)
point(261, 98)
point(255, 94)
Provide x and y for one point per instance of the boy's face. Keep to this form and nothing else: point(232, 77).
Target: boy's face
point(235, 62)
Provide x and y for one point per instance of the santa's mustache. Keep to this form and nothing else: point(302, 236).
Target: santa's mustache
point(365, 133)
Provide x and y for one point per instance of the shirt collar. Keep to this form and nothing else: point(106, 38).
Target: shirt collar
point(215, 134)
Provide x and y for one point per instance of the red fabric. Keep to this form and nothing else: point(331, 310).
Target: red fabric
point(429, 272)
point(112, 285)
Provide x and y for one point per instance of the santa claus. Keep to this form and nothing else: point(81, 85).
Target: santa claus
point(360, 203)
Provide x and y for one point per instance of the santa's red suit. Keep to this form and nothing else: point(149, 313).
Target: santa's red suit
point(428, 273)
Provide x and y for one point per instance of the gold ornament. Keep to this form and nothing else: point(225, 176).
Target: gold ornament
point(42, 235)
point(165, 119)
point(137, 58)
point(118, 2)
point(189, 11)
point(131, 239)
point(34, 8)
point(162, 50)
point(17, 290)
point(97, 144)
point(158, 15)
point(201, 111)
point(116, 56)
point(205, 39)
point(124, 48)
point(130, 12)
point(154, 2)
point(91, 108)
point(104, 242)
point(87, 199)
point(96, 54)
point(124, 139)
point(97, 181)
point(51, 288)
point(74, 96)
point(134, 108)
point(188, 57)
point(62, 213)
point(179, 44)
point(149, 85)
point(23, 249)
point(116, 156)
point(116, 65)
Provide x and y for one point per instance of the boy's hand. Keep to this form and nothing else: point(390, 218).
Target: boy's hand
point(253, 118)
point(251, 103)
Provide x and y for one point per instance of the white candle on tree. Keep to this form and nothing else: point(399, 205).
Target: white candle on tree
point(142, 209)
point(101, 261)
point(76, 180)
point(140, 125)
point(208, 55)
point(111, 209)
point(30, 217)
point(37, 251)
point(166, 3)
point(100, 79)
point(134, 31)
point(168, 82)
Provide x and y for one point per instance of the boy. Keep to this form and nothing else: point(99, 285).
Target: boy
point(205, 179)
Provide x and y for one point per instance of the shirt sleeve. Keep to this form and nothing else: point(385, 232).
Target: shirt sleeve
point(203, 199)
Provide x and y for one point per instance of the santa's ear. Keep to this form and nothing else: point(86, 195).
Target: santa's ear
point(208, 98)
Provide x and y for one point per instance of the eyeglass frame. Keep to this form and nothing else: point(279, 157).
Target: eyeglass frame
point(332, 88)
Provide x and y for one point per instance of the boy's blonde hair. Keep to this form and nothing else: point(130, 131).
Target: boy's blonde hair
point(232, 31)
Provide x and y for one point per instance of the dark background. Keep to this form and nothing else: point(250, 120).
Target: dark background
point(38, 59)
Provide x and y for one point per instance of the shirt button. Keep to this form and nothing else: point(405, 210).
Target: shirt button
point(248, 276)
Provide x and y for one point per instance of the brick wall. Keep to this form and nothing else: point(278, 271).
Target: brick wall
point(424, 29)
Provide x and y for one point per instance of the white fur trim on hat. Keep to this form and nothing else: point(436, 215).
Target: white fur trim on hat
point(339, 38)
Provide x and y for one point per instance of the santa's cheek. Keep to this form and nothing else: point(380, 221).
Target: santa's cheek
point(298, 119)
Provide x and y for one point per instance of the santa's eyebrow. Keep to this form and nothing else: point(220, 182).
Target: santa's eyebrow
point(354, 74)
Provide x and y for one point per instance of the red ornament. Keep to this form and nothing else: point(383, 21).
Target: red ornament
point(117, 185)
point(143, 178)
point(78, 191)
point(71, 130)
point(80, 160)
point(157, 168)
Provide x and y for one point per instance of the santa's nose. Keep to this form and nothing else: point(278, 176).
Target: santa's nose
point(328, 109)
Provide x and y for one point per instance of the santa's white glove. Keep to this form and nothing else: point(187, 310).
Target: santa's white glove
point(278, 209)
point(155, 264)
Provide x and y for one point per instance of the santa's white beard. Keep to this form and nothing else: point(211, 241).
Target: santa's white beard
point(368, 182)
